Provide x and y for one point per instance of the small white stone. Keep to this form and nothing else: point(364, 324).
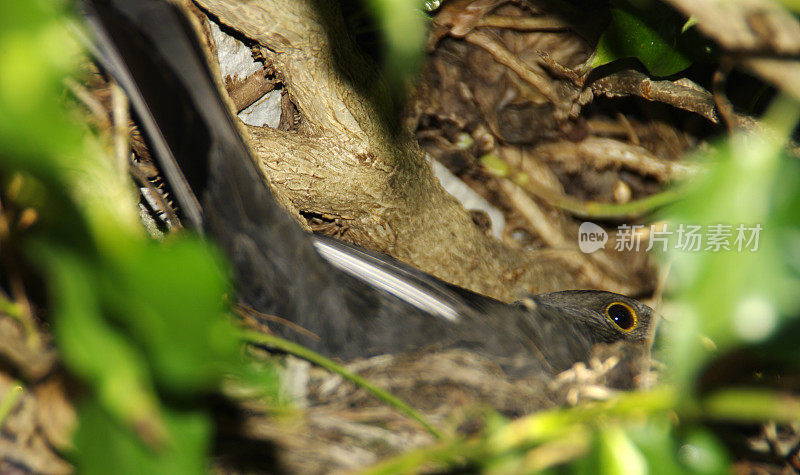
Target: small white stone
point(265, 111)
point(235, 58)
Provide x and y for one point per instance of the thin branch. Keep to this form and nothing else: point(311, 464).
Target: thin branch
point(247, 92)
point(634, 83)
point(120, 115)
point(555, 238)
point(86, 98)
point(505, 57)
point(533, 184)
point(722, 103)
point(604, 152)
point(277, 343)
point(598, 210)
point(251, 313)
point(540, 23)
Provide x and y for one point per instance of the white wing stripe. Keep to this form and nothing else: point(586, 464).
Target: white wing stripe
point(386, 280)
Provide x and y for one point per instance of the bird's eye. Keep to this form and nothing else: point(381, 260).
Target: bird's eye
point(622, 315)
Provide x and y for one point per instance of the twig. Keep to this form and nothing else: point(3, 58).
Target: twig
point(634, 83)
point(770, 432)
point(794, 457)
point(676, 94)
point(277, 343)
point(761, 27)
point(519, 184)
point(595, 209)
point(531, 211)
point(87, 99)
point(723, 104)
point(21, 312)
point(605, 152)
point(503, 56)
point(121, 118)
point(782, 73)
point(250, 312)
point(575, 75)
point(524, 23)
point(606, 127)
point(533, 214)
point(245, 93)
point(455, 20)
point(633, 137)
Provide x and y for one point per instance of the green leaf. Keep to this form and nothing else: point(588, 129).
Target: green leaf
point(171, 297)
point(793, 5)
point(723, 298)
point(753, 405)
point(105, 446)
point(404, 28)
point(656, 440)
point(132, 319)
point(649, 32)
point(701, 452)
point(669, 451)
point(618, 454)
point(93, 349)
point(653, 446)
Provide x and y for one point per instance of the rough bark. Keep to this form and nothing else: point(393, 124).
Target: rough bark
point(342, 161)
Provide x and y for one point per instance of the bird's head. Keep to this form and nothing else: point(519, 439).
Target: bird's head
point(610, 317)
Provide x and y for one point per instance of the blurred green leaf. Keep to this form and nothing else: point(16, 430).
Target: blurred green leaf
point(617, 454)
point(701, 452)
point(647, 30)
point(753, 405)
point(793, 5)
point(106, 446)
point(727, 297)
point(653, 445)
point(32, 73)
point(132, 318)
point(403, 25)
point(668, 451)
point(9, 400)
point(180, 324)
point(656, 441)
point(93, 349)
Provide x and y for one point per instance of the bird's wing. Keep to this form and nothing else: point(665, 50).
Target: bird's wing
point(361, 305)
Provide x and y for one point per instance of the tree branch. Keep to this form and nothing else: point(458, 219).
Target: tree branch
point(343, 161)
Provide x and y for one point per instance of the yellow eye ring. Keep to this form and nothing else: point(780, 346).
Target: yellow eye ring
point(622, 315)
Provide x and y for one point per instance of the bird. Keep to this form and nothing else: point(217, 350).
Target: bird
point(351, 302)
